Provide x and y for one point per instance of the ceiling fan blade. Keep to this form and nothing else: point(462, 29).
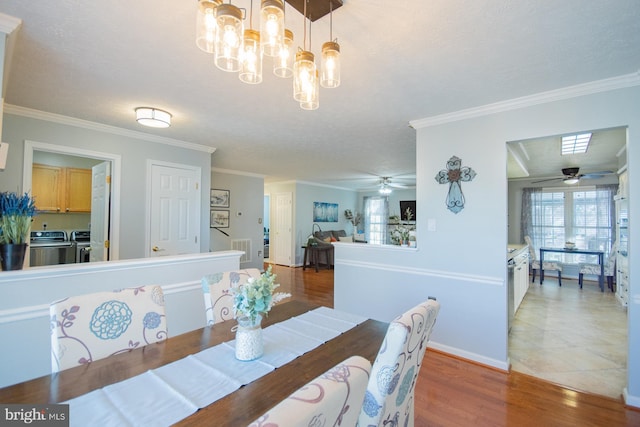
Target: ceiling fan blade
point(595, 175)
point(548, 179)
point(390, 184)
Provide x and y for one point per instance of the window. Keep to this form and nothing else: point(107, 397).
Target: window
point(582, 215)
point(376, 216)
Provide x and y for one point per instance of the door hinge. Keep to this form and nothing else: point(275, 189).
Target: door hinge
point(196, 239)
point(106, 244)
point(197, 184)
point(108, 179)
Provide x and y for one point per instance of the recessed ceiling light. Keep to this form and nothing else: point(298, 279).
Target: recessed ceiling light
point(153, 117)
point(575, 144)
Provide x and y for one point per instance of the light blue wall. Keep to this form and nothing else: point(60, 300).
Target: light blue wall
point(246, 210)
point(462, 260)
point(135, 153)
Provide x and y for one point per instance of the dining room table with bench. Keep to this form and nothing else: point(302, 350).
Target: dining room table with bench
point(237, 408)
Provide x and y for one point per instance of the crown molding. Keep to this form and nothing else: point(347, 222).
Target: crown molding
point(99, 127)
point(8, 24)
point(605, 85)
point(236, 172)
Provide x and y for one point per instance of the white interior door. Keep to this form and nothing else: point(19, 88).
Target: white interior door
point(100, 197)
point(281, 231)
point(174, 214)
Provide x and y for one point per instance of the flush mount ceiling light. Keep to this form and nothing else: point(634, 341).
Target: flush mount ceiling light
point(572, 180)
point(220, 31)
point(153, 117)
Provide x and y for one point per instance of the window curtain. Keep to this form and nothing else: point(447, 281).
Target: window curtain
point(376, 218)
point(607, 208)
point(527, 220)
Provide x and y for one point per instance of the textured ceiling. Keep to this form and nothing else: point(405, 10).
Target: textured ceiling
point(401, 61)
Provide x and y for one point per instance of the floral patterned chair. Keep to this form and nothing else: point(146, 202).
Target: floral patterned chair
point(90, 327)
point(534, 263)
point(218, 300)
point(390, 392)
point(332, 399)
point(594, 269)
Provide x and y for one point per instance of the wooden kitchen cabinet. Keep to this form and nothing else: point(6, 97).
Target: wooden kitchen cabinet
point(58, 189)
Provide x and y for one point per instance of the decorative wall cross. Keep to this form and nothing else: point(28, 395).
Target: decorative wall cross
point(453, 174)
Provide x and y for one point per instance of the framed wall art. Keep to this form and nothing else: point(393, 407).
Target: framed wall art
point(325, 212)
point(219, 198)
point(219, 219)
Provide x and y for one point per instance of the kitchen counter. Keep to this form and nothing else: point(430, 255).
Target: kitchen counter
point(515, 249)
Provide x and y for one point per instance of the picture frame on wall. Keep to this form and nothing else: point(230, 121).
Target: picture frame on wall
point(219, 198)
point(219, 219)
point(325, 212)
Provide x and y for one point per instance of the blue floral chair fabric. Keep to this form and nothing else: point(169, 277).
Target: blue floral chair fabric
point(534, 263)
point(90, 327)
point(218, 300)
point(389, 398)
point(332, 399)
point(594, 269)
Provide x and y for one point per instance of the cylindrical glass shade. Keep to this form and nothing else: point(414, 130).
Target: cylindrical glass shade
point(311, 98)
point(271, 26)
point(304, 75)
point(283, 63)
point(251, 71)
point(206, 25)
point(330, 65)
point(229, 33)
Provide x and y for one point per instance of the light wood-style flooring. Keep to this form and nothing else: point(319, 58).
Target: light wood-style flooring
point(456, 392)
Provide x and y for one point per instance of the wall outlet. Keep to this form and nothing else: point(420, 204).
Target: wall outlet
point(259, 254)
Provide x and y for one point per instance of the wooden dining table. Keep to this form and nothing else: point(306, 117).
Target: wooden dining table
point(236, 409)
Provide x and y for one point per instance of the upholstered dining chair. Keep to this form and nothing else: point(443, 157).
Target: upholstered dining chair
point(534, 263)
point(389, 398)
point(332, 399)
point(86, 328)
point(218, 300)
point(609, 268)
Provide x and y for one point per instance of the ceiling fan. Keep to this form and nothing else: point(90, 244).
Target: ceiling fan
point(572, 176)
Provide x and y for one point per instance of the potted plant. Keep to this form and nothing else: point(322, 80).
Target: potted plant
point(251, 301)
point(16, 213)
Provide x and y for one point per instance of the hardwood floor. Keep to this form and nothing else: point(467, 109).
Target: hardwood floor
point(456, 392)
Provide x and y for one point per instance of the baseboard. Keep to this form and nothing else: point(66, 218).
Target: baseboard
point(473, 357)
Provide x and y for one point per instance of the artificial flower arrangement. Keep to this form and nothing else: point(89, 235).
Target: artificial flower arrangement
point(255, 297)
point(16, 213)
point(355, 219)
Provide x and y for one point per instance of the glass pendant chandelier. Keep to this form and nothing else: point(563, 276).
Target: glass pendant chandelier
point(283, 63)
point(206, 25)
point(311, 96)
point(330, 57)
point(272, 26)
point(251, 58)
point(304, 75)
point(229, 34)
point(251, 71)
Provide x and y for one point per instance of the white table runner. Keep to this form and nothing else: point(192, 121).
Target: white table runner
point(166, 395)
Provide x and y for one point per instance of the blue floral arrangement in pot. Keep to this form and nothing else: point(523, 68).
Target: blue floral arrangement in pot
point(251, 301)
point(16, 213)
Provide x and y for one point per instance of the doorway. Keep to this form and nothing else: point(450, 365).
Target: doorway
point(266, 226)
point(554, 322)
point(31, 148)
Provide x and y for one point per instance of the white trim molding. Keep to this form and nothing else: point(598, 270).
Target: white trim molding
point(620, 82)
point(85, 124)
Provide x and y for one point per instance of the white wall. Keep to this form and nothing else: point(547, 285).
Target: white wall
point(246, 209)
point(462, 261)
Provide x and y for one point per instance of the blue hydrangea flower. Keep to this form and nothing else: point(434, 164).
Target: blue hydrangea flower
point(110, 320)
point(370, 406)
point(151, 320)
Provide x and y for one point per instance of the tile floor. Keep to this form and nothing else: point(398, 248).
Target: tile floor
point(576, 338)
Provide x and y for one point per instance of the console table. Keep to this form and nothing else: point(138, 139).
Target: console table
point(312, 254)
point(599, 254)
